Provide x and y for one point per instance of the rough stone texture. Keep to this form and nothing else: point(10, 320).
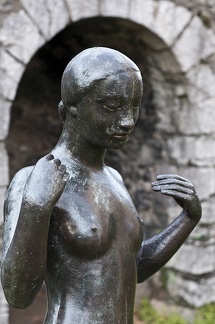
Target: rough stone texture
point(193, 292)
point(45, 15)
point(189, 53)
point(199, 90)
point(190, 150)
point(83, 9)
point(198, 262)
point(3, 165)
point(22, 44)
point(163, 18)
point(2, 195)
point(12, 71)
point(194, 119)
point(209, 215)
point(114, 8)
point(4, 118)
point(173, 42)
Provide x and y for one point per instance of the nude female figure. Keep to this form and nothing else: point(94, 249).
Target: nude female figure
point(69, 219)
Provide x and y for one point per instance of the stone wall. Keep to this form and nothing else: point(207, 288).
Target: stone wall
point(176, 40)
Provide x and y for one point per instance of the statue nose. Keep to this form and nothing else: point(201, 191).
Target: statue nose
point(127, 122)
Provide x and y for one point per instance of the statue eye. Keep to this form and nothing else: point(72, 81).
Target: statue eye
point(109, 108)
point(112, 105)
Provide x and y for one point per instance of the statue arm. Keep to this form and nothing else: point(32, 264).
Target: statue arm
point(28, 206)
point(158, 250)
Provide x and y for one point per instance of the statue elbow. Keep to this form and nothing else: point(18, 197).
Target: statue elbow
point(16, 294)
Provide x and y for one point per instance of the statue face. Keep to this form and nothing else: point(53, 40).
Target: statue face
point(108, 114)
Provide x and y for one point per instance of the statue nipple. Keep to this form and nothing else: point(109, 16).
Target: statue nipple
point(94, 228)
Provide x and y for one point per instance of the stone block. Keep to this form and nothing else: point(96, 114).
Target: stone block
point(50, 16)
point(165, 121)
point(204, 234)
point(164, 18)
point(195, 150)
point(4, 118)
point(201, 84)
point(202, 178)
point(83, 9)
point(20, 36)
point(195, 260)
point(208, 211)
point(4, 172)
point(197, 118)
point(10, 75)
point(142, 12)
point(196, 42)
point(194, 293)
point(2, 197)
point(115, 8)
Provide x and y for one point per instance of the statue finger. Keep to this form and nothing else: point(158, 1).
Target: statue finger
point(62, 168)
point(177, 188)
point(172, 176)
point(172, 181)
point(50, 157)
point(66, 176)
point(57, 162)
point(175, 194)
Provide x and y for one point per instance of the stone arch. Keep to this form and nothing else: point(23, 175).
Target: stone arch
point(43, 19)
point(173, 24)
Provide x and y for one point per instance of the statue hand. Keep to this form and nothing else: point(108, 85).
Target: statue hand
point(182, 191)
point(46, 182)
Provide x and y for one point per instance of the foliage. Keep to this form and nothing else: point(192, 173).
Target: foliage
point(151, 316)
point(205, 315)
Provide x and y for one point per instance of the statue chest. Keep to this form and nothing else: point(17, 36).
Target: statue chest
point(90, 222)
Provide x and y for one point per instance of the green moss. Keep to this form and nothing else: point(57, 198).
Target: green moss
point(146, 313)
point(150, 316)
point(205, 315)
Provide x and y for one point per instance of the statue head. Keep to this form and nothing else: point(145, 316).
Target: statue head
point(87, 69)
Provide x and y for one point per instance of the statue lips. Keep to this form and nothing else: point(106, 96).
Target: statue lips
point(121, 136)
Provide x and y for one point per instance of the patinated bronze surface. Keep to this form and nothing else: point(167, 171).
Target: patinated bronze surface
point(69, 219)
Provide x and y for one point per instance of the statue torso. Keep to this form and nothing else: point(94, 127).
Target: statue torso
point(95, 234)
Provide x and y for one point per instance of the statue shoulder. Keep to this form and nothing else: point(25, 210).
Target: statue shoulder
point(14, 192)
point(114, 173)
point(19, 180)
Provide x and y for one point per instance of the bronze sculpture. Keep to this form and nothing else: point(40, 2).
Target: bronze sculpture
point(69, 219)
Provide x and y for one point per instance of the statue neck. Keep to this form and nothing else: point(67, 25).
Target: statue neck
point(72, 145)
